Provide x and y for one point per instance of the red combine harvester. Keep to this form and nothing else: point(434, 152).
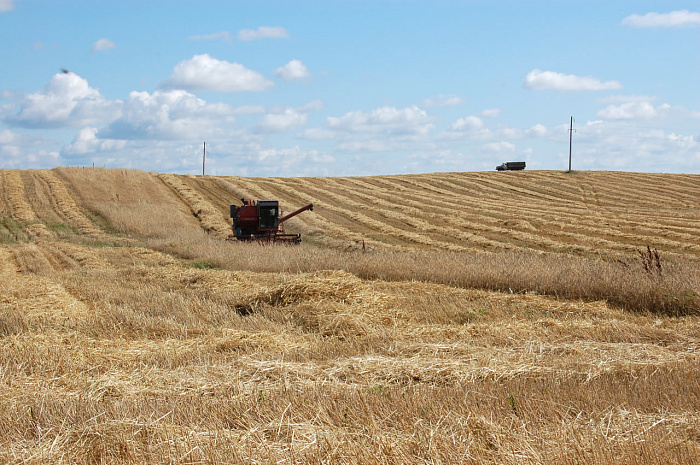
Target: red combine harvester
point(260, 221)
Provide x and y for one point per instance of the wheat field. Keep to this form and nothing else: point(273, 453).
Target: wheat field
point(517, 317)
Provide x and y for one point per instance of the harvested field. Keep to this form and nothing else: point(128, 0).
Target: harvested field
point(442, 318)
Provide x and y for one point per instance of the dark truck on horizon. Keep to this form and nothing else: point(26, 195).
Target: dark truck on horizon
point(511, 166)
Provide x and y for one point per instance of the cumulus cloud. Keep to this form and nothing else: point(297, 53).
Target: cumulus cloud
point(469, 127)
point(86, 141)
point(287, 120)
point(293, 70)
point(293, 155)
point(67, 101)
point(248, 110)
point(469, 123)
point(473, 128)
point(551, 80)
point(385, 120)
point(314, 105)
point(7, 5)
point(316, 134)
point(629, 110)
point(491, 112)
point(203, 72)
point(619, 144)
point(497, 147)
point(626, 99)
point(21, 151)
point(538, 130)
point(173, 114)
point(680, 18)
point(102, 45)
point(385, 129)
point(444, 100)
point(263, 32)
point(224, 36)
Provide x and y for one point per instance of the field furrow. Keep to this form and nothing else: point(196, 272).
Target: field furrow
point(454, 221)
point(580, 227)
point(66, 206)
point(633, 190)
point(14, 194)
point(210, 217)
point(374, 225)
point(411, 214)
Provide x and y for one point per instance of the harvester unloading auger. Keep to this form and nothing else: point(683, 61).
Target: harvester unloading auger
point(260, 221)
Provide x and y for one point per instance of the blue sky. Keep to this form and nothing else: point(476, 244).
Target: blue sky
point(341, 87)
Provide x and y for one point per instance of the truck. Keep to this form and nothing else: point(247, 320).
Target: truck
point(511, 166)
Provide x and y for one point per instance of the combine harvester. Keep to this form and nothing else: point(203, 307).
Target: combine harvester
point(260, 221)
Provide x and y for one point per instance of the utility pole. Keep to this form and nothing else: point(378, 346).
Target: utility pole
point(204, 158)
point(571, 137)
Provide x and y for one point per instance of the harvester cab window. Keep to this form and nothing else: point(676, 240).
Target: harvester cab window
point(268, 215)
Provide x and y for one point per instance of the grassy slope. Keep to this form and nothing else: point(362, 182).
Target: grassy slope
point(130, 332)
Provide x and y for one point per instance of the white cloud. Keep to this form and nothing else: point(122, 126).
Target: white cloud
point(444, 100)
point(472, 128)
point(680, 18)
point(469, 127)
point(252, 160)
point(21, 151)
point(537, 130)
point(371, 145)
point(7, 137)
point(174, 114)
point(263, 32)
point(385, 120)
point(632, 146)
point(491, 112)
point(67, 101)
point(550, 80)
point(248, 110)
point(468, 123)
point(86, 141)
point(316, 134)
point(7, 5)
point(224, 36)
point(626, 99)
point(287, 120)
point(103, 45)
point(314, 105)
point(202, 72)
point(497, 147)
point(293, 70)
point(292, 156)
point(630, 110)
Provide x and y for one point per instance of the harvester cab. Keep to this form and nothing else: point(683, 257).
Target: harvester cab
point(260, 221)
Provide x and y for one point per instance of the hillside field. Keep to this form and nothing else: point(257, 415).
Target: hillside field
point(516, 317)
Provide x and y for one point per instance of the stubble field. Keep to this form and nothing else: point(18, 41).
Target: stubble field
point(438, 318)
